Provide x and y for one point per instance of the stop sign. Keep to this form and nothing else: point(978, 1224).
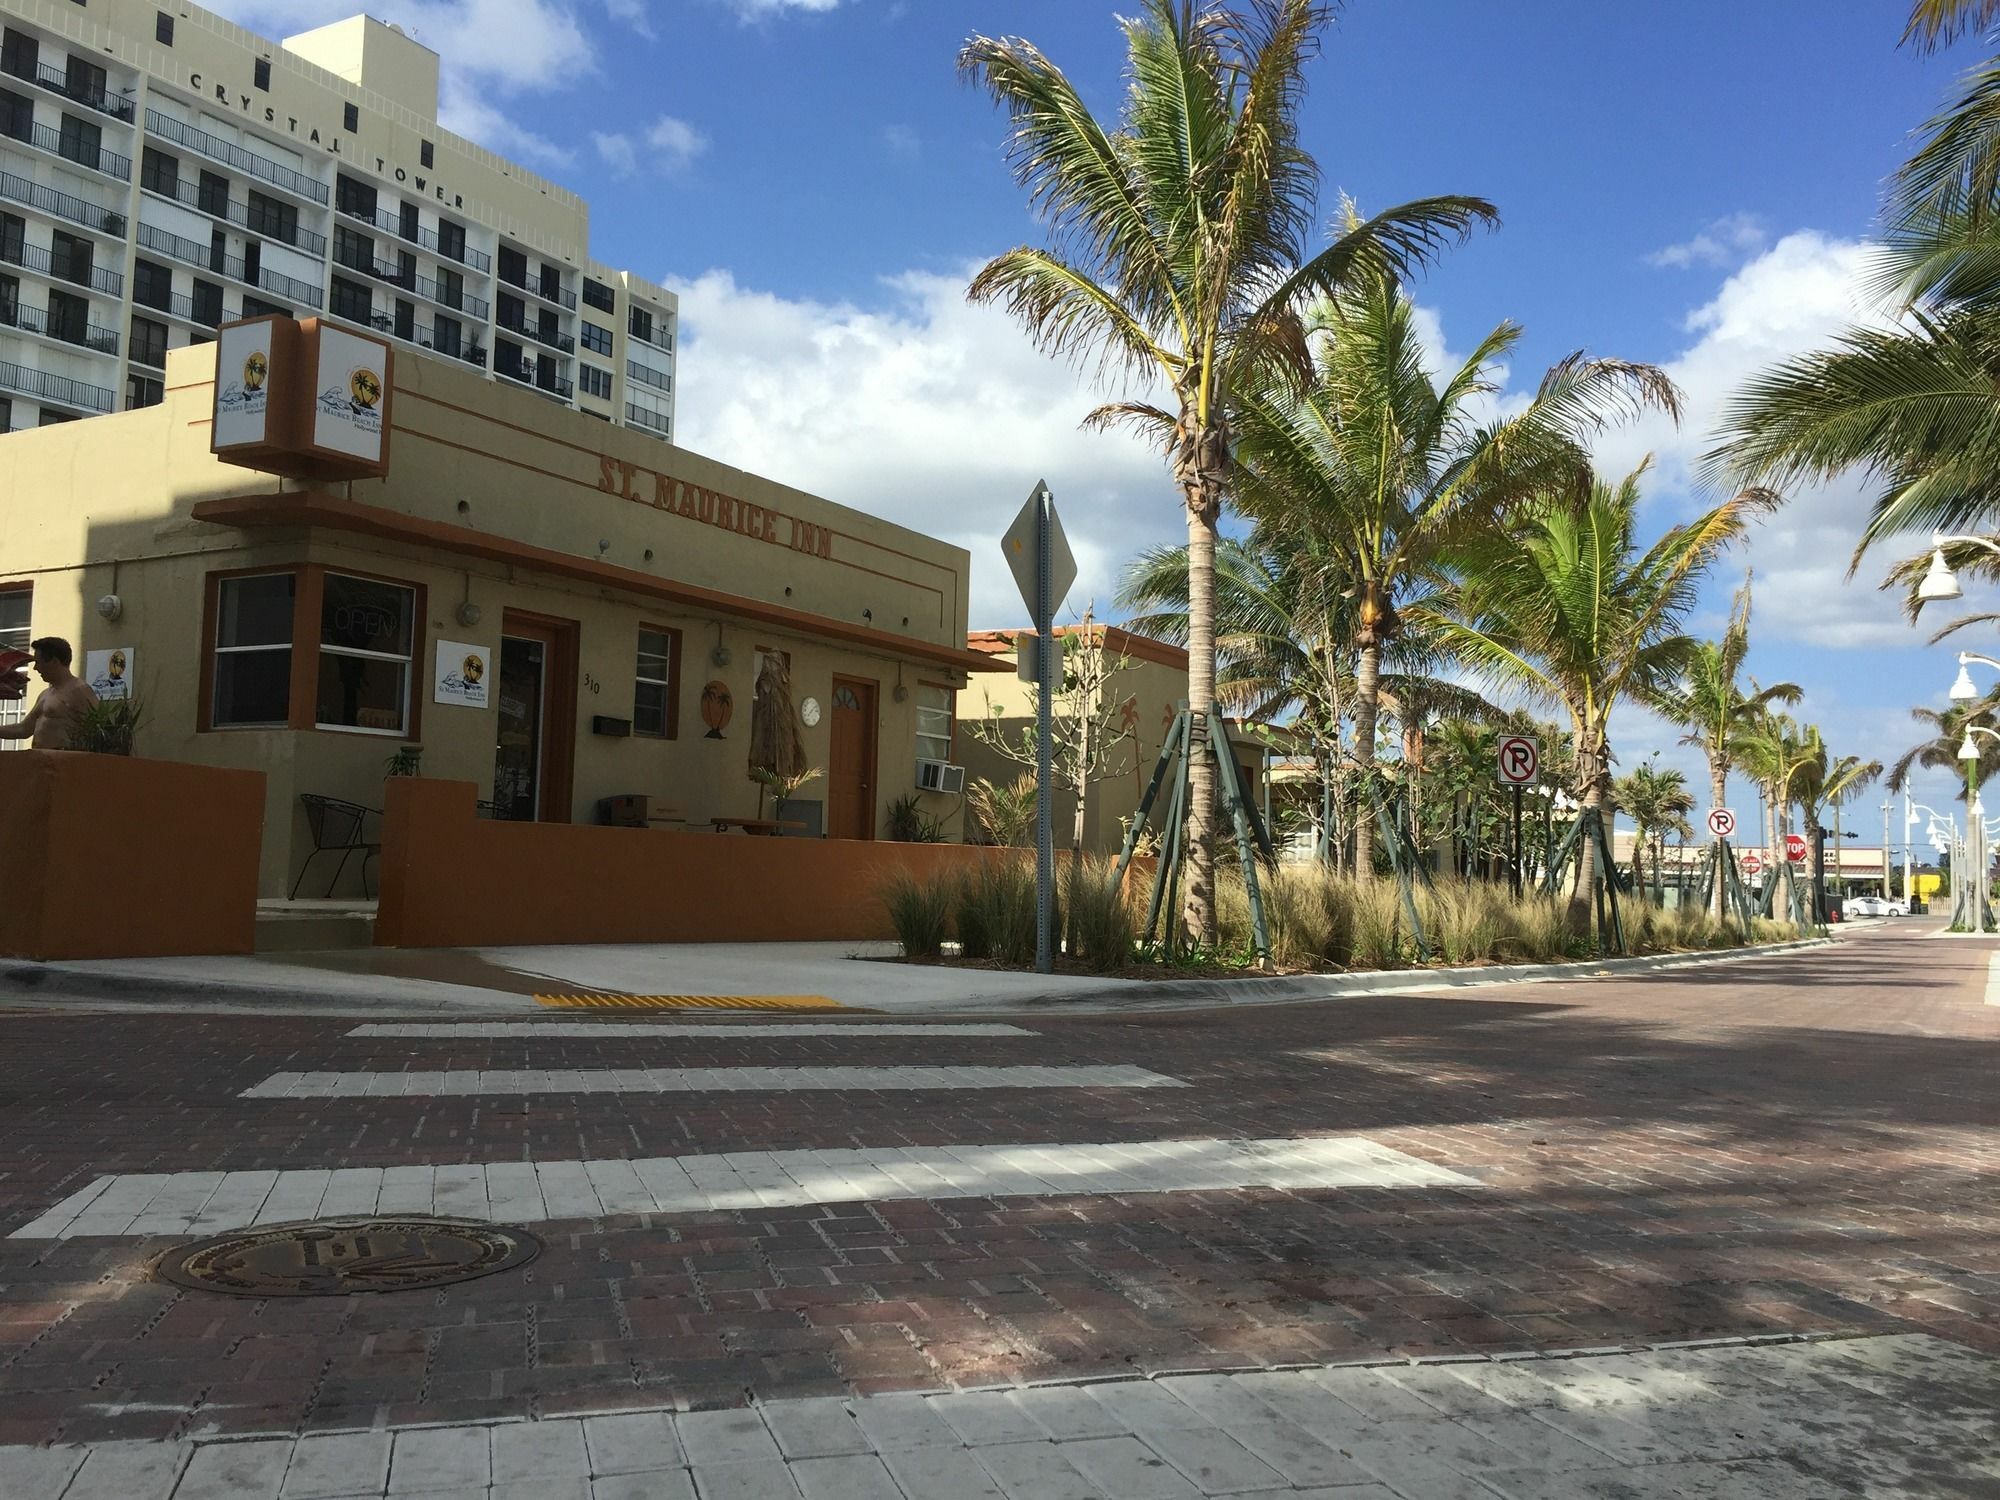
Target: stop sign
point(1752, 863)
point(1795, 848)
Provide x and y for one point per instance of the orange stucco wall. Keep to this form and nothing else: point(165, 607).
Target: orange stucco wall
point(106, 856)
point(450, 878)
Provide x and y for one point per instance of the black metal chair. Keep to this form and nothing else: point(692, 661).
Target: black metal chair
point(337, 828)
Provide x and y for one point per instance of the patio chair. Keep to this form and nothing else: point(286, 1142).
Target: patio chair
point(337, 828)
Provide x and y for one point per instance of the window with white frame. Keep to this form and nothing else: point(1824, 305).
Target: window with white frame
point(252, 688)
point(654, 694)
point(367, 631)
point(934, 716)
point(15, 605)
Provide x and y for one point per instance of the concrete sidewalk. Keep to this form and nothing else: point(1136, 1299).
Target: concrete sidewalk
point(505, 981)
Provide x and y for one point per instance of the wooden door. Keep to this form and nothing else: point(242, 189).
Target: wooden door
point(535, 718)
point(850, 780)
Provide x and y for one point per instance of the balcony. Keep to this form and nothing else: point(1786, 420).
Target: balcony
point(388, 223)
point(56, 81)
point(60, 268)
point(183, 308)
point(94, 158)
point(229, 210)
point(641, 416)
point(194, 253)
point(36, 320)
point(663, 337)
point(228, 152)
point(555, 385)
point(556, 295)
point(62, 205)
point(645, 376)
point(40, 385)
point(519, 324)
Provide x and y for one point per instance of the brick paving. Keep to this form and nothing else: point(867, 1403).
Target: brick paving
point(1803, 1144)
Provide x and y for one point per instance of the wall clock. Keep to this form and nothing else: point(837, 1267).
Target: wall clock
point(809, 711)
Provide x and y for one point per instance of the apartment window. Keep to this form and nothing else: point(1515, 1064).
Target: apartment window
point(79, 141)
point(356, 251)
point(596, 340)
point(446, 336)
point(257, 307)
point(406, 320)
point(20, 54)
point(513, 266)
point(83, 80)
point(13, 237)
point(153, 285)
point(351, 300)
point(260, 74)
point(10, 300)
point(934, 716)
point(596, 294)
point(212, 197)
point(163, 28)
point(253, 261)
point(551, 283)
point(160, 173)
point(208, 303)
point(593, 381)
point(656, 691)
point(451, 240)
point(149, 343)
point(424, 153)
point(16, 603)
point(69, 317)
point(366, 635)
point(642, 325)
point(450, 288)
point(350, 118)
point(17, 116)
point(69, 257)
point(272, 218)
point(252, 681)
point(142, 391)
point(352, 197)
point(50, 417)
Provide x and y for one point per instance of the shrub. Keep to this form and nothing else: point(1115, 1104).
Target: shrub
point(1006, 814)
point(108, 727)
point(996, 912)
point(1101, 920)
point(920, 909)
point(908, 823)
point(1380, 932)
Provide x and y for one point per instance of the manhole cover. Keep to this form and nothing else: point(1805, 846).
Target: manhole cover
point(333, 1257)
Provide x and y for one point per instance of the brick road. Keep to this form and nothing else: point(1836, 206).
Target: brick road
point(1799, 1144)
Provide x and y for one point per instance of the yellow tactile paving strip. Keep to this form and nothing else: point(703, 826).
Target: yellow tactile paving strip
point(690, 1002)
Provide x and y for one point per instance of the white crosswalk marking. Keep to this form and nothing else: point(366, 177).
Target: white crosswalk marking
point(468, 1081)
point(181, 1203)
point(457, 1030)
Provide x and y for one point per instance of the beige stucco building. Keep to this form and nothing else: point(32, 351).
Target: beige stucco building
point(163, 172)
point(616, 593)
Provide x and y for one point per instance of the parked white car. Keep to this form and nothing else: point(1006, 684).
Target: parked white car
point(1877, 906)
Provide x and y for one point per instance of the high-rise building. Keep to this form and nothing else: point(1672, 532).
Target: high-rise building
point(163, 171)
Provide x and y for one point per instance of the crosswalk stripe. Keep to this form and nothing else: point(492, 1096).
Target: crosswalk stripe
point(498, 1029)
point(471, 1081)
point(517, 1192)
point(689, 1002)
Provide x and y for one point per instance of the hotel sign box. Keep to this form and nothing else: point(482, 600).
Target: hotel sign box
point(306, 400)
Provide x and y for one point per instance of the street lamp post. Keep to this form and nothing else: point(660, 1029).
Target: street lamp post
point(1975, 814)
point(1941, 582)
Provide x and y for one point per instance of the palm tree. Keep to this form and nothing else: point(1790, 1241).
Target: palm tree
point(1385, 467)
point(1657, 801)
point(1709, 704)
point(1844, 779)
point(1938, 750)
point(1789, 760)
point(1939, 23)
point(1565, 604)
point(1179, 254)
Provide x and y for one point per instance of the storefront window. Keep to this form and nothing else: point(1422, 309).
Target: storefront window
point(253, 651)
point(656, 693)
point(366, 628)
point(934, 710)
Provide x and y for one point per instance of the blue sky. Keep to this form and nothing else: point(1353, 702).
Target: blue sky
point(1691, 184)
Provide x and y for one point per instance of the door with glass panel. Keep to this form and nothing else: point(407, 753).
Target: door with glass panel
point(534, 719)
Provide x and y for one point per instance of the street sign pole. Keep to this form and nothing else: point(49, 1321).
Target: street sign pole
point(1045, 842)
point(1517, 841)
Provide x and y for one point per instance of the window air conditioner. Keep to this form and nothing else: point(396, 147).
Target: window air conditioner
point(937, 776)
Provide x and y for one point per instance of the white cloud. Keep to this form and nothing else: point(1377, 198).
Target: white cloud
point(1724, 242)
point(668, 145)
point(634, 14)
point(928, 412)
point(902, 141)
point(757, 10)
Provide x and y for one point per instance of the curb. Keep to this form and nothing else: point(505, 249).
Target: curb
point(58, 980)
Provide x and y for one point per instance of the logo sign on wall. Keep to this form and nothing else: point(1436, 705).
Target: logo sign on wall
point(461, 673)
point(303, 399)
point(1721, 822)
point(1795, 848)
point(1518, 759)
point(109, 673)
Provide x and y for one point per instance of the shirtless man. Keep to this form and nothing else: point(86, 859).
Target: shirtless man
point(49, 723)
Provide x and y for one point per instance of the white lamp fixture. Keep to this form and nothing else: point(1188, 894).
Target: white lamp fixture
point(1962, 690)
point(1940, 582)
point(1966, 749)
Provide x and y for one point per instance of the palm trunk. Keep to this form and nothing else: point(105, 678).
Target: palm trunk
point(1337, 829)
point(1367, 689)
point(1718, 789)
point(1593, 764)
point(1198, 910)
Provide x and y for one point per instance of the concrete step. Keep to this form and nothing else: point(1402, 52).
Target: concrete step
point(314, 926)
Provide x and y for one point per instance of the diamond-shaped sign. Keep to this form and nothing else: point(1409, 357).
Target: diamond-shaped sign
point(1019, 546)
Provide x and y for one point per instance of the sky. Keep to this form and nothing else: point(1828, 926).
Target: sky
point(1690, 184)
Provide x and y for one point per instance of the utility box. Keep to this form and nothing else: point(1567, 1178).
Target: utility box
point(637, 811)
